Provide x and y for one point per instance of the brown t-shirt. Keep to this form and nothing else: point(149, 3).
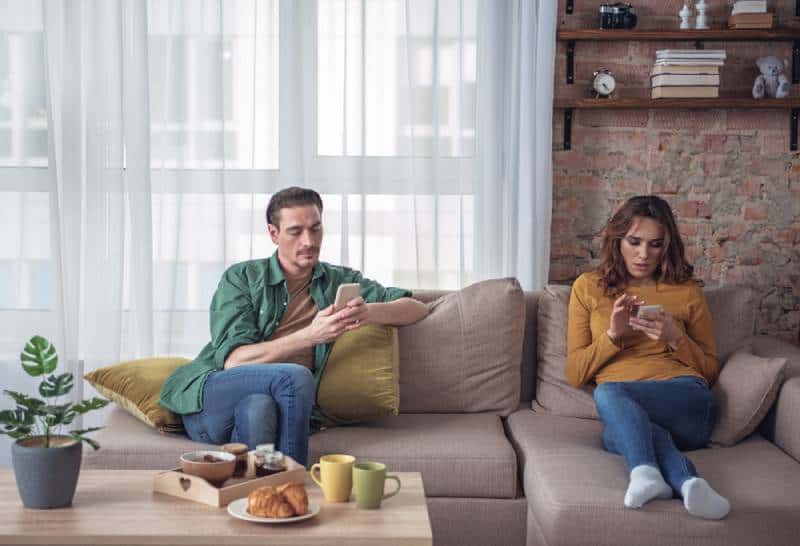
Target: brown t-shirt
point(300, 311)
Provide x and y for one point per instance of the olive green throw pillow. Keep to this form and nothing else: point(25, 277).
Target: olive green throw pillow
point(361, 378)
point(135, 386)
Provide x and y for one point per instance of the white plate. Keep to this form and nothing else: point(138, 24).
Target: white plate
point(238, 509)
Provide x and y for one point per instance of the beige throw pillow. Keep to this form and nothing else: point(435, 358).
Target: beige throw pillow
point(745, 391)
point(553, 393)
point(464, 357)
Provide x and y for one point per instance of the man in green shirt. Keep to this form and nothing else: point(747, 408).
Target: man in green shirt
point(272, 328)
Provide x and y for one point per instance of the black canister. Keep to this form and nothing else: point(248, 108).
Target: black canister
point(605, 17)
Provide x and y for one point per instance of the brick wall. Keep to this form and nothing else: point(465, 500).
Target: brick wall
point(728, 174)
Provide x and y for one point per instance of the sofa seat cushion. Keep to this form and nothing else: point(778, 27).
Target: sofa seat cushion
point(127, 443)
point(459, 455)
point(575, 490)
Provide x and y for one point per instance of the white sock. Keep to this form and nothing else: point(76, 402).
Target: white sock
point(646, 484)
point(702, 501)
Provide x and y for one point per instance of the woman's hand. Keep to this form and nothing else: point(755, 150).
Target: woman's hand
point(659, 327)
point(621, 315)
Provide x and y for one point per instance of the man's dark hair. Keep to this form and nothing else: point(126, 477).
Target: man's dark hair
point(289, 198)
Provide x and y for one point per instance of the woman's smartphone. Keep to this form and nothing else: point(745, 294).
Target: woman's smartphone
point(345, 293)
point(648, 310)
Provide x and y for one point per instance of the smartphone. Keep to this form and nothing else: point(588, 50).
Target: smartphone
point(345, 293)
point(648, 310)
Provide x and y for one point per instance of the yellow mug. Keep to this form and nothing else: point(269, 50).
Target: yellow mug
point(335, 476)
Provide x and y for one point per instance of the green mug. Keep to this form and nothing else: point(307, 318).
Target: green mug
point(368, 481)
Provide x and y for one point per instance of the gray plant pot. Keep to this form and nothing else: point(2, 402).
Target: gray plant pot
point(46, 477)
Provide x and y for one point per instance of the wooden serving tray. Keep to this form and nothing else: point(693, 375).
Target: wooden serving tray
point(194, 488)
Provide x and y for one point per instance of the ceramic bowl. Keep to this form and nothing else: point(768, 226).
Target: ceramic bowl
point(197, 463)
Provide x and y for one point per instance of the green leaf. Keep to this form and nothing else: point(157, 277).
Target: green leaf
point(16, 418)
point(16, 423)
point(56, 385)
point(58, 415)
point(89, 405)
point(39, 357)
point(78, 435)
point(27, 402)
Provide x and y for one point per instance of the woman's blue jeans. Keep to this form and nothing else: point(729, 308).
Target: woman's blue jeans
point(255, 404)
point(650, 422)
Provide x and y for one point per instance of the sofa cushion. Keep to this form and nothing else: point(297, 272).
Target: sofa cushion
point(135, 386)
point(745, 391)
point(127, 443)
point(360, 379)
point(734, 312)
point(553, 393)
point(575, 490)
point(464, 357)
point(459, 455)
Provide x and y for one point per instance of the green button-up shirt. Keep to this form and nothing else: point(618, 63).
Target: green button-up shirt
point(247, 308)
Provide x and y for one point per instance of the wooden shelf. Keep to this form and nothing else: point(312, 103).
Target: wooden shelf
point(727, 35)
point(789, 103)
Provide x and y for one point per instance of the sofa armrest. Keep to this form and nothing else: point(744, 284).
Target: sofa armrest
point(781, 425)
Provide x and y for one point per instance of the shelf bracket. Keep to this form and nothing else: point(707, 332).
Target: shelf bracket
point(570, 7)
point(568, 129)
point(792, 130)
point(796, 60)
point(570, 61)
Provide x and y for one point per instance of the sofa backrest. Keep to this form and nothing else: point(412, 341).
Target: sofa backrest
point(527, 359)
point(733, 308)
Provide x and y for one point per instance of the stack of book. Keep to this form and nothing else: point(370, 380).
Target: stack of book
point(687, 73)
point(750, 14)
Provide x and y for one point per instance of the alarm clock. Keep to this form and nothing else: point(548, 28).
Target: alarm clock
point(603, 83)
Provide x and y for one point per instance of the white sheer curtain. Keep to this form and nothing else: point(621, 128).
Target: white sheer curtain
point(140, 142)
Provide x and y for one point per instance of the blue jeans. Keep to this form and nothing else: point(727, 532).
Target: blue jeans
point(255, 404)
point(650, 422)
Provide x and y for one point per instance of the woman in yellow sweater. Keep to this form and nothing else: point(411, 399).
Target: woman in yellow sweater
point(652, 371)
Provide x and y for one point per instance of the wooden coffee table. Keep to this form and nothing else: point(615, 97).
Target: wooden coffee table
point(119, 507)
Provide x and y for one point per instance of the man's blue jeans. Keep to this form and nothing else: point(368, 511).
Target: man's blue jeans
point(256, 404)
point(650, 422)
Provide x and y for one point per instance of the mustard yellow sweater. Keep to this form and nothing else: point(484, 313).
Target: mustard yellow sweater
point(592, 356)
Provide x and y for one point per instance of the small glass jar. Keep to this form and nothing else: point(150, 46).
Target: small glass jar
point(605, 18)
point(240, 451)
point(267, 460)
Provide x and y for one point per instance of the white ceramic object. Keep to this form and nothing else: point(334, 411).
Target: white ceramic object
point(238, 509)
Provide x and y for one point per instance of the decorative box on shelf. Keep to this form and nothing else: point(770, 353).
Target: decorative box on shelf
point(187, 486)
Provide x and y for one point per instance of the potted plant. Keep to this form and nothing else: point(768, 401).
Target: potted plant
point(46, 462)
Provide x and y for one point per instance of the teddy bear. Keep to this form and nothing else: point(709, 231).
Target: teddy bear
point(772, 82)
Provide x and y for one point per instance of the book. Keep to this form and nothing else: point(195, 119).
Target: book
point(684, 61)
point(749, 6)
point(685, 92)
point(684, 69)
point(750, 20)
point(664, 80)
point(691, 53)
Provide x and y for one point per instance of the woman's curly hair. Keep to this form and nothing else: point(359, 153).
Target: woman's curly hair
point(673, 269)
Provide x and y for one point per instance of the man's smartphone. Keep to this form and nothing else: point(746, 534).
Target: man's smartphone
point(345, 293)
point(648, 310)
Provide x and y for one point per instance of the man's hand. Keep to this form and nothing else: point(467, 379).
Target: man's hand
point(328, 325)
point(360, 314)
point(658, 326)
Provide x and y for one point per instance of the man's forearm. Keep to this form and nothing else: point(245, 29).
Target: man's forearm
point(397, 313)
point(268, 351)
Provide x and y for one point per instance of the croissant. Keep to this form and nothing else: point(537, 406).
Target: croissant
point(295, 494)
point(266, 502)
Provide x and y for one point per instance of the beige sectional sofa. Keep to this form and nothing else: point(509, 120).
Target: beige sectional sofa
point(500, 468)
